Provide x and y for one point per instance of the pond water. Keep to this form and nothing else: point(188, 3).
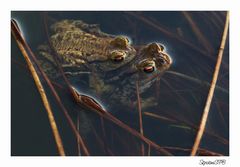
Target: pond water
point(192, 40)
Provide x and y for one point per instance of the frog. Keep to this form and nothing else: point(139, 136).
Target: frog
point(113, 64)
point(151, 62)
point(84, 47)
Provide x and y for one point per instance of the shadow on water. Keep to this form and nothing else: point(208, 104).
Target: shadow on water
point(178, 103)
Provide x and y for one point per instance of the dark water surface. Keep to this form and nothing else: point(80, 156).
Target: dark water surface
point(178, 98)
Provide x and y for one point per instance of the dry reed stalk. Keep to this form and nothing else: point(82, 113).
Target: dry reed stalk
point(19, 39)
point(198, 33)
point(201, 151)
point(104, 134)
point(158, 87)
point(57, 98)
point(140, 116)
point(211, 90)
point(78, 140)
point(159, 117)
point(149, 150)
point(76, 132)
point(29, 74)
point(59, 86)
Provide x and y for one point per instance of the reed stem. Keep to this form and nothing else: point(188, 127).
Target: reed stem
point(19, 39)
point(49, 83)
point(211, 90)
point(140, 116)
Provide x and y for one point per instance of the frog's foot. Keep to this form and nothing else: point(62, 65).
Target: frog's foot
point(99, 85)
point(147, 103)
point(48, 68)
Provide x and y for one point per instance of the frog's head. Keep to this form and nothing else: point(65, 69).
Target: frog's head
point(119, 52)
point(153, 59)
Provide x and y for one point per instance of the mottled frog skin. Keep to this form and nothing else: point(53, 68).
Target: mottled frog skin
point(80, 45)
point(114, 65)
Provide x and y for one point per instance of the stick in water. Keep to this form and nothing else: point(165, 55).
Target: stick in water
point(211, 90)
point(18, 38)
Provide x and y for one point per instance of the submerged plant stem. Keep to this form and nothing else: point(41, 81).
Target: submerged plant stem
point(211, 90)
point(40, 88)
point(58, 100)
point(140, 116)
point(71, 123)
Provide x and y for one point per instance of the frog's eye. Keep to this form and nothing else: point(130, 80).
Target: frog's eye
point(162, 61)
point(162, 47)
point(117, 56)
point(120, 42)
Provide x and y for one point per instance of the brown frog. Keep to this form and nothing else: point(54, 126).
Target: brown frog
point(113, 64)
point(80, 45)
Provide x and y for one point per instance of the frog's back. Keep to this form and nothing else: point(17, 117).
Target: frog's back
point(78, 43)
point(78, 40)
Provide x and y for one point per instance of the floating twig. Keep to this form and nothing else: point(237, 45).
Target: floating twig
point(78, 140)
point(49, 83)
point(149, 150)
point(76, 132)
point(159, 117)
point(201, 151)
point(104, 134)
point(22, 46)
point(211, 90)
point(140, 115)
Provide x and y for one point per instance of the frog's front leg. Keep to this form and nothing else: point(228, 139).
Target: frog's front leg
point(47, 62)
